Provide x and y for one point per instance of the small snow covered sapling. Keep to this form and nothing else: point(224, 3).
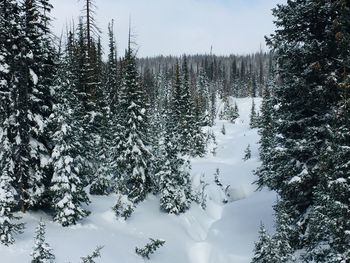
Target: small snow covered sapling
point(219, 184)
point(247, 153)
point(223, 129)
point(124, 207)
point(91, 258)
point(8, 224)
point(42, 252)
point(200, 197)
point(216, 178)
point(149, 248)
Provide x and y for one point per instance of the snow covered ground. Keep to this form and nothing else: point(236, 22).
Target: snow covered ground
point(223, 233)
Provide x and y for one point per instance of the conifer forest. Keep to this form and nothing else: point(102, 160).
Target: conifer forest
point(108, 156)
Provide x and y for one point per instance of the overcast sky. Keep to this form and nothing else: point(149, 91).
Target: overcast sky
point(175, 27)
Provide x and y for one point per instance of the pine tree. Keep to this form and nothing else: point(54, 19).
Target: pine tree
point(247, 153)
point(112, 69)
point(9, 37)
point(66, 188)
point(35, 67)
point(266, 131)
point(263, 251)
point(285, 235)
point(304, 101)
point(8, 194)
point(135, 156)
point(266, 121)
point(174, 178)
point(254, 117)
point(150, 248)
point(175, 109)
point(187, 122)
point(42, 252)
point(213, 106)
point(91, 258)
point(203, 97)
point(123, 207)
point(329, 227)
point(187, 119)
point(90, 90)
point(229, 112)
point(223, 129)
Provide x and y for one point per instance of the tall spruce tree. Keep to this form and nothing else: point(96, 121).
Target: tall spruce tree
point(187, 110)
point(309, 50)
point(134, 159)
point(174, 178)
point(66, 188)
point(9, 41)
point(329, 228)
point(263, 250)
point(34, 102)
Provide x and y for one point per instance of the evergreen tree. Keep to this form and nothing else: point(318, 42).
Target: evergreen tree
point(329, 227)
point(150, 248)
point(123, 207)
point(174, 178)
point(285, 235)
point(175, 108)
point(263, 251)
point(91, 258)
point(266, 131)
point(35, 67)
point(135, 156)
point(112, 69)
point(229, 112)
point(66, 188)
point(309, 50)
point(247, 153)
point(42, 252)
point(213, 106)
point(254, 117)
point(8, 194)
point(188, 121)
point(266, 120)
point(223, 129)
point(9, 38)
point(203, 96)
point(186, 129)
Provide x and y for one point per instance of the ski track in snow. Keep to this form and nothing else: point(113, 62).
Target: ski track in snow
point(223, 233)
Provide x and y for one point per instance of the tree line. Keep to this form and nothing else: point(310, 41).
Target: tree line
point(305, 129)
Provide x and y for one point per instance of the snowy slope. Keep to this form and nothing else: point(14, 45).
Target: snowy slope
point(223, 233)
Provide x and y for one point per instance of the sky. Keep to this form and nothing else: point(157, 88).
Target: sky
point(176, 27)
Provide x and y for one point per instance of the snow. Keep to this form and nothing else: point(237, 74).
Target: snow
point(33, 76)
point(223, 233)
point(295, 179)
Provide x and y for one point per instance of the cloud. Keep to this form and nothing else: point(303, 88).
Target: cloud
point(180, 26)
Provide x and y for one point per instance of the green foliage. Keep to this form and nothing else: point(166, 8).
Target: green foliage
point(229, 112)
point(254, 117)
point(123, 207)
point(42, 252)
point(305, 127)
point(247, 153)
point(223, 129)
point(91, 258)
point(149, 248)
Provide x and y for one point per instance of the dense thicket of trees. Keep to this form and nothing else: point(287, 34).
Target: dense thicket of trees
point(71, 122)
point(305, 131)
